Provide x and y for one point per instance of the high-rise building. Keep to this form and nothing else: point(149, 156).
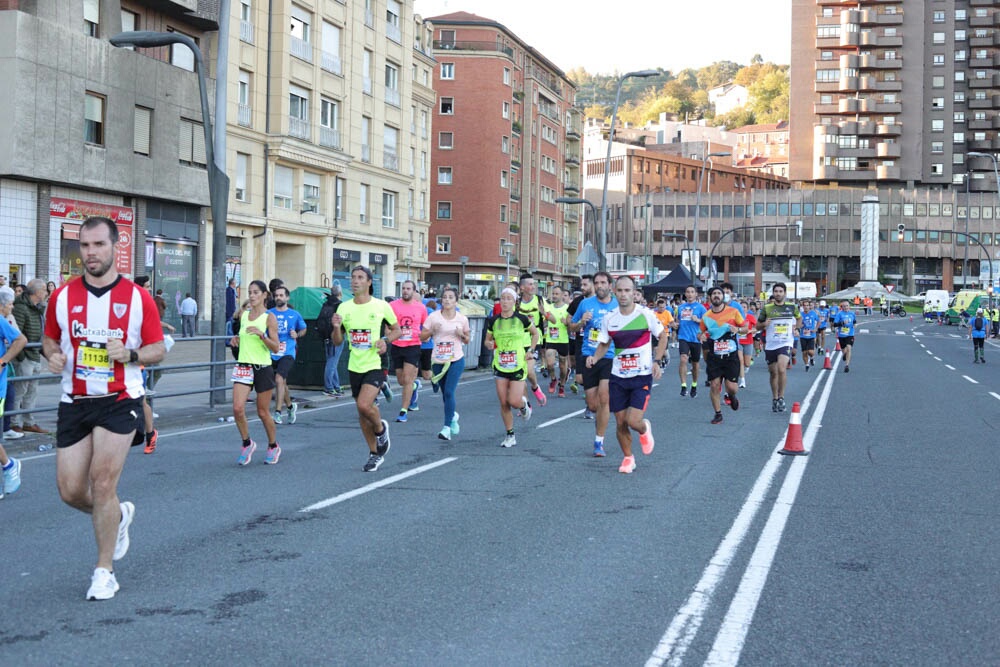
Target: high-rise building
point(895, 92)
point(506, 146)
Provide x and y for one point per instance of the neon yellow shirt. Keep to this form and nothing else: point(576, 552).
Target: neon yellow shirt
point(362, 324)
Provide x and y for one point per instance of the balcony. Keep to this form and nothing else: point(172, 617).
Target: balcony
point(893, 130)
point(515, 193)
point(572, 157)
point(570, 242)
point(848, 84)
point(329, 137)
point(571, 186)
point(849, 38)
point(987, 21)
point(393, 32)
point(488, 47)
point(889, 86)
point(246, 32)
point(297, 127)
point(866, 128)
point(392, 96)
point(301, 49)
point(390, 160)
point(331, 63)
point(979, 104)
point(825, 149)
point(572, 132)
point(984, 124)
point(369, 18)
point(825, 172)
point(983, 82)
point(893, 151)
point(884, 172)
point(571, 215)
point(244, 114)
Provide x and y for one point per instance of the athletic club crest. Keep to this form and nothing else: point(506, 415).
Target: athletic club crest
point(120, 309)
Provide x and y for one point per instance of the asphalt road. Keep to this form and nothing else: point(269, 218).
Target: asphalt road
point(878, 548)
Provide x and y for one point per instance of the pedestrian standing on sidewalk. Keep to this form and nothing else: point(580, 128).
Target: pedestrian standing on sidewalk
point(361, 322)
point(505, 334)
point(29, 313)
point(978, 329)
point(257, 339)
point(324, 327)
point(99, 329)
point(11, 343)
point(629, 331)
point(449, 330)
point(232, 300)
point(189, 311)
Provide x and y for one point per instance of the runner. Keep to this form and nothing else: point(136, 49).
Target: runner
point(291, 326)
point(746, 342)
point(843, 323)
point(257, 341)
point(629, 330)
point(587, 321)
point(149, 380)
point(363, 319)
point(666, 318)
point(449, 329)
point(505, 336)
point(808, 333)
point(557, 342)
point(98, 329)
point(534, 307)
point(689, 314)
point(586, 291)
point(719, 329)
point(824, 319)
point(411, 314)
point(12, 342)
point(979, 328)
point(778, 319)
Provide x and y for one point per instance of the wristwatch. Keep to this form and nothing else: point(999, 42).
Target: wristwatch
point(133, 356)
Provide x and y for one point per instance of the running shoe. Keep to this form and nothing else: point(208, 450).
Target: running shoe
point(540, 395)
point(694, 391)
point(293, 413)
point(742, 383)
point(387, 390)
point(454, 425)
point(684, 390)
point(12, 476)
point(103, 585)
point(445, 433)
point(717, 419)
point(331, 393)
point(587, 413)
point(526, 411)
point(374, 461)
point(725, 397)
point(402, 416)
point(509, 440)
point(774, 405)
point(246, 454)
point(122, 542)
point(806, 367)
point(628, 465)
point(793, 360)
point(11, 434)
point(599, 449)
point(646, 439)
point(562, 391)
point(151, 443)
point(382, 441)
point(781, 404)
point(277, 417)
point(273, 454)
point(734, 403)
point(435, 387)
point(415, 398)
point(575, 388)
point(552, 386)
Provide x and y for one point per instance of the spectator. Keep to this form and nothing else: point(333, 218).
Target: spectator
point(11, 342)
point(324, 327)
point(271, 286)
point(7, 296)
point(189, 311)
point(3, 281)
point(18, 290)
point(231, 300)
point(161, 303)
point(29, 313)
point(50, 287)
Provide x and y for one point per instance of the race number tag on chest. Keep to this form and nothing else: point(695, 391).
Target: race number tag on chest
point(781, 329)
point(722, 347)
point(361, 339)
point(594, 334)
point(553, 332)
point(628, 363)
point(92, 362)
point(281, 348)
point(444, 351)
point(243, 374)
point(508, 360)
point(407, 333)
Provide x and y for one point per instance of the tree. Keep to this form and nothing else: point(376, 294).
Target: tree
point(736, 118)
point(769, 97)
point(716, 74)
point(596, 111)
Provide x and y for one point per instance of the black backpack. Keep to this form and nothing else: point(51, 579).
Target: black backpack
point(323, 326)
point(979, 323)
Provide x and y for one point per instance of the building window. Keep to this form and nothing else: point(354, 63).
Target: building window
point(503, 178)
point(340, 185)
point(284, 187)
point(366, 139)
point(91, 17)
point(937, 38)
point(140, 132)
point(329, 123)
point(447, 71)
point(130, 23)
point(937, 169)
point(310, 192)
point(180, 55)
point(331, 48)
point(937, 82)
point(299, 30)
point(388, 209)
point(191, 143)
point(242, 171)
point(446, 140)
point(938, 59)
point(447, 105)
point(937, 103)
point(246, 22)
point(506, 76)
point(505, 144)
point(392, 84)
point(392, 12)
point(505, 109)
point(938, 17)
point(390, 148)
point(444, 175)
point(937, 147)
point(503, 213)
point(366, 72)
point(298, 112)
point(363, 203)
point(244, 110)
point(444, 210)
point(443, 245)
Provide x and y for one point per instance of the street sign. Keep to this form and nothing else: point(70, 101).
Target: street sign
point(889, 288)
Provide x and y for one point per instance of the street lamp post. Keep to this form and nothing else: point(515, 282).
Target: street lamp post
point(641, 74)
point(697, 206)
point(463, 260)
point(507, 245)
point(577, 201)
point(996, 173)
point(218, 188)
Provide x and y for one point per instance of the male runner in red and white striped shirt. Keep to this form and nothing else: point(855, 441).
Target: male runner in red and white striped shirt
point(99, 329)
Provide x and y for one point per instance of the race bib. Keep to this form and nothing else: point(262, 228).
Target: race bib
point(508, 361)
point(281, 348)
point(407, 333)
point(594, 334)
point(807, 332)
point(93, 363)
point(686, 315)
point(444, 351)
point(628, 364)
point(781, 329)
point(361, 339)
point(845, 331)
point(723, 347)
point(553, 332)
point(243, 374)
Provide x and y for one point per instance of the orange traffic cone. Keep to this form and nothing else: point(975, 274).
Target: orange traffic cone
point(827, 366)
point(837, 349)
point(793, 441)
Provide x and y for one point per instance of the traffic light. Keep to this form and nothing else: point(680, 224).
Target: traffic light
point(901, 228)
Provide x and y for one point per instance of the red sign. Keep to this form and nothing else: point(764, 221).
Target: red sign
point(889, 288)
point(74, 212)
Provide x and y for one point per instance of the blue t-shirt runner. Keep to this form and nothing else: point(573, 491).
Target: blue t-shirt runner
point(810, 324)
point(288, 320)
point(688, 328)
point(592, 329)
point(843, 323)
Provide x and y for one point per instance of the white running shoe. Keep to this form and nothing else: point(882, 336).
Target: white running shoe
point(122, 543)
point(509, 440)
point(103, 585)
point(742, 383)
point(526, 412)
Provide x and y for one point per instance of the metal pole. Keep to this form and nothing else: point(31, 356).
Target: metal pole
point(965, 262)
point(648, 242)
point(603, 260)
point(697, 217)
point(219, 199)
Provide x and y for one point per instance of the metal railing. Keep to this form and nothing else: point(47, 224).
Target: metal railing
point(298, 128)
point(329, 137)
point(331, 62)
point(243, 115)
point(392, 96)
point(393, 32)
point(452, 45)
point(246, 32)
point(301, 49)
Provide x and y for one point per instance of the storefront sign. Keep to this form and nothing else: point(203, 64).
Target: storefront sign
point(378, 258)
point(72, 212)
point(346, 255)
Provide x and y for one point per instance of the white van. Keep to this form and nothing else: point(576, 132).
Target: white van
point(936, 301)
point(798, 291)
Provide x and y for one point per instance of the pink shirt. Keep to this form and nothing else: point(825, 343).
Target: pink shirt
point(411, 317)
point(447, 342)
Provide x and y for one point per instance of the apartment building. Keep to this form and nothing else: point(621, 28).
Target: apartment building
point(507, 144)
point(328, 143)
point(895, 92)
point(90, 129)
point(763, 148)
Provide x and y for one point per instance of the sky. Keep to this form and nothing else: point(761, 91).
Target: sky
point(672, 34)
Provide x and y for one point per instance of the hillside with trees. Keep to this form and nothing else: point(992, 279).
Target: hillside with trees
point(685, 94)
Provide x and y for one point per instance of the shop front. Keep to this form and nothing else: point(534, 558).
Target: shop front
point(173, 232)
point(68, 214)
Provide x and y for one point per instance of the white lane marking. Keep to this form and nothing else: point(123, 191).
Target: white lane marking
point(923, 346)
point(954, 335)
point(995, 395)
point(937, 358)
point(376, 485)
point(732, 634)
point(900, 333)
point(685, 625)
point(970, 379)
point(559, 419)
point(863, 330)
point(927, 351)
point(949, 367)
point(918, 333)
